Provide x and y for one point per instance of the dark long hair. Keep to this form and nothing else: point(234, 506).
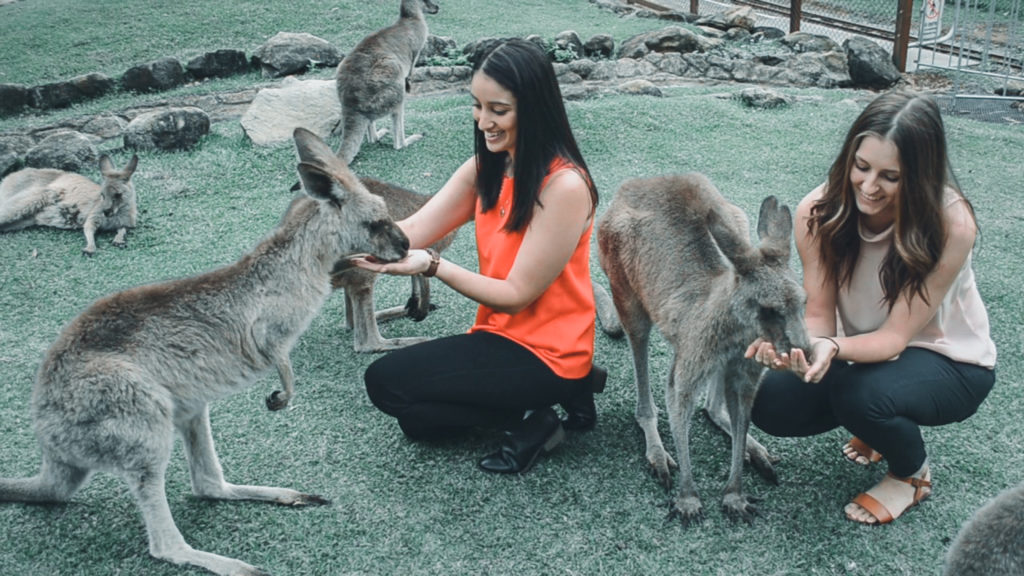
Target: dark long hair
point(542, 129)
point(913, 123)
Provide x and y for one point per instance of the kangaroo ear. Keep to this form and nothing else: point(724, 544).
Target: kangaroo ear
point(774, 227)
point(733, 244)
point(318, 183)
point(312, 149)
point(106, 166)
point(129, 169)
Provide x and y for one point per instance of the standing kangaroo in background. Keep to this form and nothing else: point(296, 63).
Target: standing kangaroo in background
point(140, 364)
point(360, 315)
point(991, 542)
point(678, 256)
point(374, 77)
point(49, 197)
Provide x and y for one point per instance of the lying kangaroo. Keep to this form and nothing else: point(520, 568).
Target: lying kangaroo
point(360, 315)
point(374, 77)
point(140, 364)
point(49, 197)
point(678, 256)
point(991, 543)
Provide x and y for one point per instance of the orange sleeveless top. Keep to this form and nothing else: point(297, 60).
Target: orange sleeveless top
point(558, 327)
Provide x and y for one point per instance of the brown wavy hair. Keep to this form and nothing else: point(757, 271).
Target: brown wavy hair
point(913, 123)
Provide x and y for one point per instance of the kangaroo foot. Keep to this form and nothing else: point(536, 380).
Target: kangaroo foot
point(740, 507)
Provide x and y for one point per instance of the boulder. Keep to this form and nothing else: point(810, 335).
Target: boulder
point(276, 112)
point(170, 129)
point(162, 74)
point(294, 53)
point(218, 64)
point(870, 65)
point(64, 150)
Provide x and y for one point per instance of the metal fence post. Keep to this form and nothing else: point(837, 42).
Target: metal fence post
point(904, 14)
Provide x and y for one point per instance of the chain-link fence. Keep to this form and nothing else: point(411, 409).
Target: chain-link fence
point(978, 44)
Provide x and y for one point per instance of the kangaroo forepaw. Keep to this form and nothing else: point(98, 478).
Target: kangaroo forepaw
point(414, 310)
point(687, 509)
point(740, 507)
point(277, 400)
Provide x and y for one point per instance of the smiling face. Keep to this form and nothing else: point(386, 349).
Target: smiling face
point(875, 177)
point(494, 111)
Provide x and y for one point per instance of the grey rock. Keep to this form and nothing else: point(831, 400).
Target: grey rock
point(161, 74)
point(294, 53)
point(170, 129)
point(65, 150)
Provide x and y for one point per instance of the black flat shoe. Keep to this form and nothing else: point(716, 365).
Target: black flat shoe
point(539, 433)
point(580, 412)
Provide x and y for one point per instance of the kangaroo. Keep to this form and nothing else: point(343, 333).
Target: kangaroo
point(139, 364)
point(374, 77)
point(360, 317)
point(991, 542)
point(678, 256)
point(49, 197)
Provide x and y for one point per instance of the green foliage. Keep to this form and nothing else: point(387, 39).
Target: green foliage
point(451, 57)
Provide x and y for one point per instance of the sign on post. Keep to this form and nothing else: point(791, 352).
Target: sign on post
point(931, 20)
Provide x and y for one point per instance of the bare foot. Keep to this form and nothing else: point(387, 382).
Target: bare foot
point(859, 452)
point(890, 498)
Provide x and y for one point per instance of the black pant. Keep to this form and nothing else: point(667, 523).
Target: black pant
point(452, 384)
point(883, 404)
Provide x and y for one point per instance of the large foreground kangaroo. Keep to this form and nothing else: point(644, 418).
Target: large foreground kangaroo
point(361, 316)
point(374, 77)
point(60, 199)
point(141, 364)
point(678, 256)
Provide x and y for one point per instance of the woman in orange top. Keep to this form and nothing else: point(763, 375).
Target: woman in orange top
point(530, 195)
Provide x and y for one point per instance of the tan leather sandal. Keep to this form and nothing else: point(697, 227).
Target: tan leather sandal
point(922, 490)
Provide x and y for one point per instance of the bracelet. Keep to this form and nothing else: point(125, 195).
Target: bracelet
point(435, 261)
point(832, 340)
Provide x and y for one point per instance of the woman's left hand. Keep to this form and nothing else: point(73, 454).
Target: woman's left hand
point(415, 262)
point(795, 360)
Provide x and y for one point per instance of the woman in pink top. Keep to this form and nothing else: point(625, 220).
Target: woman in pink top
point(900, 336)
point(531, 198)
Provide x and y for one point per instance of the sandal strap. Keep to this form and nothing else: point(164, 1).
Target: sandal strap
point(874, 507)
point(862, 449)
point(917, 483)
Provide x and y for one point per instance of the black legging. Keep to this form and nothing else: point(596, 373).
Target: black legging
point(883, 404)
point(445, 386)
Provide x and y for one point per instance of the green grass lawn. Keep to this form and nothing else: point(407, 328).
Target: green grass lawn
point(404, 508)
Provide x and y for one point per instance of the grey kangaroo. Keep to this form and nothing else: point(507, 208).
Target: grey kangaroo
point(374, 78)
point(49, 197)
point(138, 365)
point(991, 542)
point(678, 256)
point(360, 315)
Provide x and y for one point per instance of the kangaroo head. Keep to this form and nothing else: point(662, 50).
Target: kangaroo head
point(117, 193)
point(416, 8)
point(357, 221)
point(768, 295)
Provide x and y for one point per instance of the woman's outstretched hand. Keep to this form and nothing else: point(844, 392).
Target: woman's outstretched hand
point(822, 351)
point(415, 262)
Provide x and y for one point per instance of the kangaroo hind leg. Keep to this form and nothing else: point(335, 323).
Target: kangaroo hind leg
point(56, 482)
point(208, 476)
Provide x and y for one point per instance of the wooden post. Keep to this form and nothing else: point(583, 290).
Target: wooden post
point(795, 10)
point(694, 6)
point(904, 14)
